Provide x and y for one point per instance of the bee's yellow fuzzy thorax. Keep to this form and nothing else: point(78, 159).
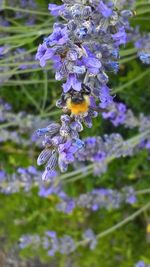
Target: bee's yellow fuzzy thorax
point(81, 108)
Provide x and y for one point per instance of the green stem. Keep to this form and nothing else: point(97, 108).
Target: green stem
point(127, 59)
point(18, 63)
point(141, 18)
point(141, 3)
point(26, 82)
point(18, 55)
point(7, 124)
point(19, 37)
point(74, 173)
point(139, 77)
point(144, 11)
point(53, 113)
point(127, 52)
point(125, 221)
point(143, 191)
point(16, 9)
point(118, 225)
point(23, 71)
point(30, 97)
point(78, 177)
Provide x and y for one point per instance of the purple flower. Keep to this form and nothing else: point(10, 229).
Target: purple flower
point(58, 37)
point(53, 243)
point(82, 32)
point(55, 10)
point(147, 145)
point(141, 264)
point(49, 174)
point(142, 41)
point(22, 171)
point(130, 196)
point(67, 245)
point(70, 206)
point(144, 57)
point(67, 151)
point(104, 10)
point(47, 191)
point(44, 53)
point(25, 241)
point(100, 156)
point(32, 170)
point(120, 37)
point(114, 65)
point(92, 64)
point(105, 97)
point(66, 206)
point(72, 83)
point(139, 44)
point(44, 156)
point(3, 50)
point(91, 238)
point(78, 143)
point(117, 115)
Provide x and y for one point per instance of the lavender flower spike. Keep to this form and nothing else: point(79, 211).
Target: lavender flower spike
point(83, 49)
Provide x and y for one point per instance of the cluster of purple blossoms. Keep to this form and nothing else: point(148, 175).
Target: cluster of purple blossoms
point(22, 179)
point(50, 242)
point(118, 114)
point(61, 142)
point(83, 49)
point(100, 151)
point(27, 178)
point(141, 43)
point(97, 199)
point(63, 146)
point(21, 123)
point(54, 244)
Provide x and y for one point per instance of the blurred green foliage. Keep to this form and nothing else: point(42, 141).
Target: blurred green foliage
point(22, 213)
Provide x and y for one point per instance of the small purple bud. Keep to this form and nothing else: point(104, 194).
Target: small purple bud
point(44, 156)
point(41, 132)
point(78, 143)
point(65, 131)
point(76, 126)
point(65, 118)
point(52, 162)
point(53, 128)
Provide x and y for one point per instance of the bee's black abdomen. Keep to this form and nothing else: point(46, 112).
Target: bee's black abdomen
point(85, 89)
point(76, 99)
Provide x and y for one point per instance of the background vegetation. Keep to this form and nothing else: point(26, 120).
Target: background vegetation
point(35, 91)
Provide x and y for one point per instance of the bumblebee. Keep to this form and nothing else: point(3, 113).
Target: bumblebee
point(78, 103)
